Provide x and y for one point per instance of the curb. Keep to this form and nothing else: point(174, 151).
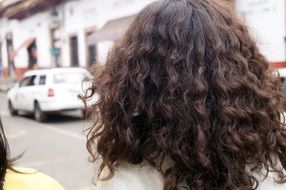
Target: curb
point(5, 87)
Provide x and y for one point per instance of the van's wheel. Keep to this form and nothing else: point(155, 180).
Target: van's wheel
point(39, 115)
point(12, 110)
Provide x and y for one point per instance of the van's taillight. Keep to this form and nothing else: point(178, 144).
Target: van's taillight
point(51, 92)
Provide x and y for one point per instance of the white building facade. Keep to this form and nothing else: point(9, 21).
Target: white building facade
point(76, 32)
point(267, 22)
point(70, 34)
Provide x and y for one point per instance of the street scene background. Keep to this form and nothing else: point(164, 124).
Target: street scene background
point(48, 34)
point(56, 147)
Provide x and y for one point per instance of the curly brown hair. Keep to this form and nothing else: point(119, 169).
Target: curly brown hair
point(4, 154)
point(187, 82)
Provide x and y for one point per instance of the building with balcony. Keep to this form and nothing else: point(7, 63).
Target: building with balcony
point(60, 33)
point(64, 33)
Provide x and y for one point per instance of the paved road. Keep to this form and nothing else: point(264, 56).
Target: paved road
point(56, 148)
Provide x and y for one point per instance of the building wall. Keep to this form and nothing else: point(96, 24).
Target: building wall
point(74, 18)
point(37, 26)
point(5, 27)
point(266, 19)
point(3, 45)
point(267, 22)
point(86, 14)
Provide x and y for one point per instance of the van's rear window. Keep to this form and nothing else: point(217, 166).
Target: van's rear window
point(68, 78)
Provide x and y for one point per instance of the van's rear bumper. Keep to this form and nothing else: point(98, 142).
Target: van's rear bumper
point(54, 105)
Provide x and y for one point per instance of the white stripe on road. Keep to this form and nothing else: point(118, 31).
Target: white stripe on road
point(4, 113)
point(41, 163)
point(15, 133)
point(88, 188)
point(63, 132)
point(51, 128)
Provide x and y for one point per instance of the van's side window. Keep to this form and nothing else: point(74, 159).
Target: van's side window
point(42, 80)
point(28, 81)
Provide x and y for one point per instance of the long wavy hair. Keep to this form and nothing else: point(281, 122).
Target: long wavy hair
point(187, 83)
point(4, 151)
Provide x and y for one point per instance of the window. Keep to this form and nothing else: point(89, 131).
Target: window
point(28, 81)
point(1, 65)
point(91, 54)
point(74, 51)
point(91, 48)
point(69, 78)
point(283, 89)
point(42, 80)
point(56, 45)
point(283, 82)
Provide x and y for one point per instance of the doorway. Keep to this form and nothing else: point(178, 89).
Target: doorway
point(32, 55)
point(91, 48)
point(74, 51)
point(10, 51)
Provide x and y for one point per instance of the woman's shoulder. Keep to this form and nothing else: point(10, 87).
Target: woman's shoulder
point(130, 177)
point(145, 177)
point(29, 179)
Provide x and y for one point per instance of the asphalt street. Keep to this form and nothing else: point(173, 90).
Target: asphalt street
point(56, 147)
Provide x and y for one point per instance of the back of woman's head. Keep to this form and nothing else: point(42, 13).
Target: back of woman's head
point(187, 83)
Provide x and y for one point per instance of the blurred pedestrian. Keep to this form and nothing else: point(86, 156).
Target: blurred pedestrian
point(187, 101)
point(16, 178)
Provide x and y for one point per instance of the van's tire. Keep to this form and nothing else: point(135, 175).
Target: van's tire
point(39, 115)
point(85, 114)
point(12, 110)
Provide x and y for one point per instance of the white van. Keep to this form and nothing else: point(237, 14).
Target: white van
point(49, 90)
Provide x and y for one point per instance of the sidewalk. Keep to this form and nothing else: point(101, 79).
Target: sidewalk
point(6, 84)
